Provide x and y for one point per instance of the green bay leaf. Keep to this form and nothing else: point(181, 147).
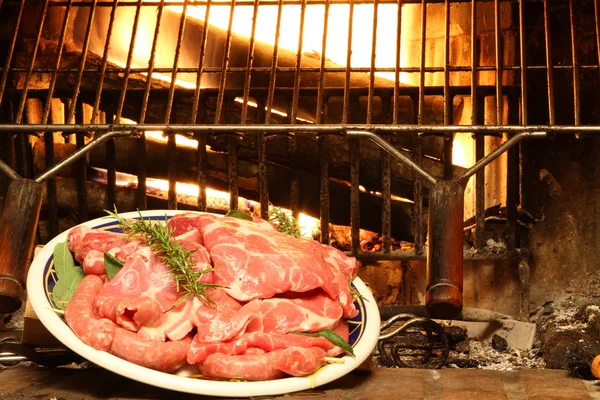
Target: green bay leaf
point(112, 265)
point(238, 214)
point(333, 338)
point(63, 259)
point(65, 287)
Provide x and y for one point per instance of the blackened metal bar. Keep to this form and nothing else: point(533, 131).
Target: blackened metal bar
point(292, 145)
point(111, 23)
point(271, 93)
point(483, 162)
point(263, 182)
point(84, 51)
point(151, 61)
point(575, 58)
point(136, 21)
point(597, 17)
point(323, 129)
point(51, 208)
point(202, 172)
point(11, 51)
point(419, 234)
point(99, 140)
point(232, 172)
point(324, 187)
point(499, 53)
point(395, 152)
point(111, 165)
point(479, 194)
point(82, 206)
point(346, 106)
point(200, 71)
point(396, 102)
point(21, 107)
point(321, 115)
point(372, 71)
point(386, 207)
point(249, 62)
point(172, 171)
point(169, 105)
point(474, 62)
point(224, 65)
point(141, 197)
point(61, 42)
point(512, 180)
point(8, 171)
point(549, 67)
point(523, 54)
point(448, 110)
point(320, 92)
point(355, 193)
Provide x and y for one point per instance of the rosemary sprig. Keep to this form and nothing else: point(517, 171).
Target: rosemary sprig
point(285, 223)
point(160, 238)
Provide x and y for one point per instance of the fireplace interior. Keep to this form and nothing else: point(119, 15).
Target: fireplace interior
point(448, 145)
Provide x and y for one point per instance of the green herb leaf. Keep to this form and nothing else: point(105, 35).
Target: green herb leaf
point(285, 223)
point(65, 287)
point(63, 259)
point(181, 265)
point(333, 338)
point(112, 265)
point(238, 214)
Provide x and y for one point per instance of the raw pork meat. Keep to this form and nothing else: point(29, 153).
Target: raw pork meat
point(104, 334)
point(257, 263)
point(295, 361)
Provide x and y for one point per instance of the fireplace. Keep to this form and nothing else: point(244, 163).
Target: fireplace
point(408, 133)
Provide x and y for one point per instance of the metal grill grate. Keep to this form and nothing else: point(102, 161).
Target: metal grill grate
point(60, 50)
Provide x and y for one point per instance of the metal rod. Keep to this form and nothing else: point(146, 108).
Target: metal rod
point(8, 171)
point(81, 152)
point(597, 19)
point(11, 51)
point(176, 64)
point(104, 64)
point(324, 129)
point(151, 62)
point(134, 30)
point(59, 53)
point(202, 172)
point(549, 67)
point(373, 59)
point(474, 62)
point(355, 193)
point(249, 62)
point(111, 165)
point(575, 60)
point(346, 106)
point(497, 152)
point(272, 77)
point(51, 184)
point(523, 56)
point(82, 199)
point(320, 95)
point(84, 53)
point(149, 3)
point(498, 52)
point(394, 152)
point(200, 70)
point(224, 65)
point(32, 58)
point(448, 104)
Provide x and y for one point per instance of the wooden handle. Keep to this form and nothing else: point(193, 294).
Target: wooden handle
point(17, 233)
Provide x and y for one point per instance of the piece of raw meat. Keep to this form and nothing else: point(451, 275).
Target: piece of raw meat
point(257, 263)
point(199, 351)
point(82, 318)
point(144, 289)
point(295, 361)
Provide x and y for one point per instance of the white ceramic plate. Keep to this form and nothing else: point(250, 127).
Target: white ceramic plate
point(364, 332)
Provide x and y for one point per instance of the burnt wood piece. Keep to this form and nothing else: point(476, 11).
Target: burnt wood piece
point(278, 178)
point(445, 254)
point(17, 233)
